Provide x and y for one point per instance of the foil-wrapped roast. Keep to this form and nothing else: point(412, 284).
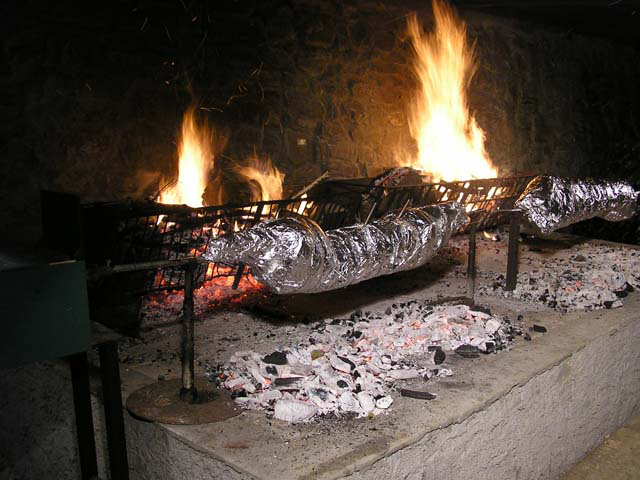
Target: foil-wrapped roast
point(549, 203)
point(294, 255)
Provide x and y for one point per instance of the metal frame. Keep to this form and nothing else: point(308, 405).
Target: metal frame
point(168, 239)
point(515, 220)
point(146, 232)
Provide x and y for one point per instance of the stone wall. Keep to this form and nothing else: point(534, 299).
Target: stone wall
point(94, 98)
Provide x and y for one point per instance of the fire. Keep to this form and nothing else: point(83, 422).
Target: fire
point(195, 163)
point(264, 179)
point(450, 143)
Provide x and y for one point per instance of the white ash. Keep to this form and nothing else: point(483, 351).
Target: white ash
point(591, 277)
point(349, 366)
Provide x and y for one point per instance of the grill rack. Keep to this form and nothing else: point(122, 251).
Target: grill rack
point(135, 232)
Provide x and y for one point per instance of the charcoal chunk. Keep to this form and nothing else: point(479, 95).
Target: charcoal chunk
point(439, 357)
point(539, 329)
point(480, 308)
point(238, 394)
point(468, 351)
point(276, 358)
point(286, 381)
point(417, 394)
point(527, 337)
point(347, 361)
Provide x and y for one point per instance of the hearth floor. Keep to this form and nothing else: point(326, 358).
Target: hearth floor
point(617, 458)
point(256, 446)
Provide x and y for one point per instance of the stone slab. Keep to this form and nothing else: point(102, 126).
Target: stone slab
point(530, 412)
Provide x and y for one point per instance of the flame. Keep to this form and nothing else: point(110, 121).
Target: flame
point(450, 143)
point(195, 163)
point(264, 179)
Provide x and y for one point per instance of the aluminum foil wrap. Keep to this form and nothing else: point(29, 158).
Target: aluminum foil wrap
point(549, 203)
point(294, 255)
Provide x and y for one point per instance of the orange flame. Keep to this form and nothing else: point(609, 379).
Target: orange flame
point(196, 161)
point(264, 179)
point(450, 143)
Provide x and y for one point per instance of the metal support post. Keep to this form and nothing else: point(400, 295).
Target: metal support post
point(112, 397)
point(188, 391)
point(512, 254)
point(84, 417)
point(471, 264)
point(238, 276)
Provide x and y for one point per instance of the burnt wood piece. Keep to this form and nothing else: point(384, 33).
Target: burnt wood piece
point(468, 351)
point(417, 394)
point(276, 358)
point(286, 381)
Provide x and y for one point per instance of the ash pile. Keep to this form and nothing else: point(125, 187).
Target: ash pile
point(588, 276)
point(352, 366)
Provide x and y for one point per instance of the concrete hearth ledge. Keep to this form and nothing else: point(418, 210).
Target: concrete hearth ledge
point(531, 412)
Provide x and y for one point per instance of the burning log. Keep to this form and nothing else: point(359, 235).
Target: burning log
point(294, 255)
point(549, 203)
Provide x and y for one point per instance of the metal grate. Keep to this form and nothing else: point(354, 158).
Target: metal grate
point(483, 197)
point(135, 232)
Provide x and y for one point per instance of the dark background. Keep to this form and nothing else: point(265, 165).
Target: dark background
point(93, 94)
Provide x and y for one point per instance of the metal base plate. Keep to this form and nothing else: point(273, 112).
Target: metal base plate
point(160, 402)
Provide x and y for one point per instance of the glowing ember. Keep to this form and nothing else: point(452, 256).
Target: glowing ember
point(220, 288)
point(212, 294)
point(196, 161)
point(264, 179)
point(450, 143)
